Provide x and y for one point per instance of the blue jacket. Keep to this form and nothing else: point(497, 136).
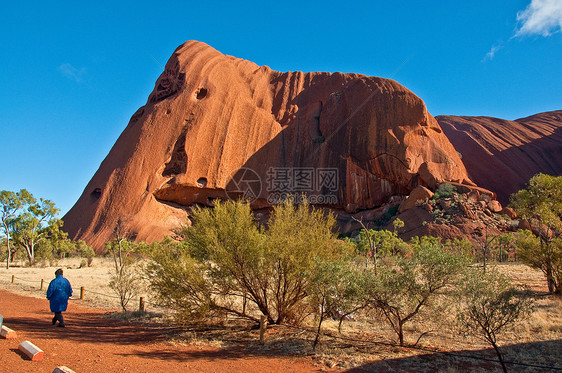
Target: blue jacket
point(58, 292)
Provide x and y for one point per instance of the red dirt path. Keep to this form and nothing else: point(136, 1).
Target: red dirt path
point(91, 343)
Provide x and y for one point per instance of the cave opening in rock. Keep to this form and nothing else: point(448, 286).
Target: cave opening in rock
point(96, 193)
point(202, 182)
point(201, 93)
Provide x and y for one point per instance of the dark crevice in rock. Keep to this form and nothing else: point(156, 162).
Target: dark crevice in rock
point(178, 162)
point(318, 137)
point(172, 204)
point(169, 83)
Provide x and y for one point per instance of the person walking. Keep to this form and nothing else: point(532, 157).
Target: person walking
point(58, 292)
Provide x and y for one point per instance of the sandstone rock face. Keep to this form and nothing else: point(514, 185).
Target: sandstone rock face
point(474, 196)
point(419, 193)
point(213, 120)
point(495, 206)
point(502, 155)
point(456, 216)
point(509, 212)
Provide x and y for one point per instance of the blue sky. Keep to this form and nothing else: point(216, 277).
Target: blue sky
point(73, 73)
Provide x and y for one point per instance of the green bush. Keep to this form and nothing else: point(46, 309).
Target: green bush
point(226, 258)
point(541, 203)
point(389, 214)
point(444, 190)
point(403, 288)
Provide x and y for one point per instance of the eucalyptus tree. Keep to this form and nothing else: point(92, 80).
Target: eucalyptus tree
point(35, 224)
point(11, 203)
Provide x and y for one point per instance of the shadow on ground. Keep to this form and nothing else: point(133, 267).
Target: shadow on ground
point(531, 357)
point(93, 328)
point(525, 357)
point(21, 354)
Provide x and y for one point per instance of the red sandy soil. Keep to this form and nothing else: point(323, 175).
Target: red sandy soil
point(91, 343)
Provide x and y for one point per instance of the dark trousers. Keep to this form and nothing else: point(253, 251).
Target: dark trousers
point(58, 317)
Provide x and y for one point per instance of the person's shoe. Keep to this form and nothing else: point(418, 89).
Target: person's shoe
point(61, 325)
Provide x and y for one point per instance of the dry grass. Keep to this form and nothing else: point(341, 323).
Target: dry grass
point(366, 342)
point(94, 279)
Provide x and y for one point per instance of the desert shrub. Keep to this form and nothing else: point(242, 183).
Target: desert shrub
point(226, 256)
point(541, 203)
point(44, 251)
point(546, 257)
point(379, 243)
point(125, 279)
point(489, 305)
point(503, 247)
point(400, 291)
point(460, 246)
point(337, 290)
point(125, 283)
point(397, 224)
point(444, 190)
point(178, 282)
point(388, 243)
point(85, 251)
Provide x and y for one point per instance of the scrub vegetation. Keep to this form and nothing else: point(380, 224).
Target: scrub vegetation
point(298, 273)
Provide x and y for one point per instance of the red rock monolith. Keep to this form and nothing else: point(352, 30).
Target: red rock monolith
point(214, 120)
point(502, 155)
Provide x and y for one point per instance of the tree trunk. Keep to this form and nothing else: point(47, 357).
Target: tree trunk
point(30, 256)
point(549, 279)
point(32, 253)
point(317, 339)
point(551, 287)
point(400, 333)
point(120, 255)
point(115, 260)
point(8, 246)
point(9, 257)
point(501, 254)
point(500, 357)
point(28, 252)
point(265, 310)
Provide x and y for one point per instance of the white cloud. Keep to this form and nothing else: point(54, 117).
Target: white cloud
point(490, 55)
point(541, 17)
point(72, 72)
